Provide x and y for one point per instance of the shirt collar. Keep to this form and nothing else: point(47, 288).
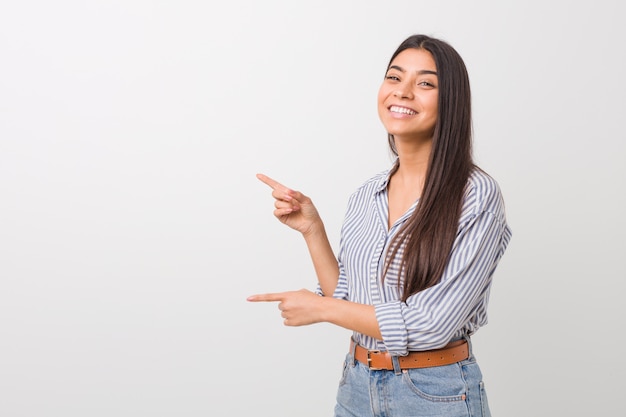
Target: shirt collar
point(384, 179)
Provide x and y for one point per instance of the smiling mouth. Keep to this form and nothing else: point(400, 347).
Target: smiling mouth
point(402, 110)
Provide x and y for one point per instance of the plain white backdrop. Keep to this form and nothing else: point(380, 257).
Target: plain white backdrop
point(132, 227)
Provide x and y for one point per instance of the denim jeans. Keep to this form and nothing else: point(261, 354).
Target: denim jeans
point(453, 390)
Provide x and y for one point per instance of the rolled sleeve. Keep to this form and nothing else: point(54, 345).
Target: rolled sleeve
point(393, 329)
point(432, 317)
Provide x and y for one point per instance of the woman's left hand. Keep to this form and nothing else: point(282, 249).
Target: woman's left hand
point(298, 308)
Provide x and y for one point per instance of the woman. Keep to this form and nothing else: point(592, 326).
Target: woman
point(419, 246)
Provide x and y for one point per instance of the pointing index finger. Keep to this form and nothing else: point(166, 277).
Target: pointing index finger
point(266, 297)
point(272, 183)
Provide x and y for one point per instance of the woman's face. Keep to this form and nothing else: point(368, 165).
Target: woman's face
point(407, 99)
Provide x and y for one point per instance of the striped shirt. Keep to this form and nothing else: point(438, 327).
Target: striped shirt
point(433, 317)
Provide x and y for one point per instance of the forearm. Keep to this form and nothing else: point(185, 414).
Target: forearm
point(323, 257)
point(352, 316)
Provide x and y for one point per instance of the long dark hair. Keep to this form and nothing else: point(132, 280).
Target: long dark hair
point(431, 230)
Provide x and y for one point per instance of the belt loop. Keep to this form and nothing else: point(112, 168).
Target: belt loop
point(353, 351)
point(466, 336)
point(396, 365)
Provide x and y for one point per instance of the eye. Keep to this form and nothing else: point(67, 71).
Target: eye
point(392, 78)
point(426, 84)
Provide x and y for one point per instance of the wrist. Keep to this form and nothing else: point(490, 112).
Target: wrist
point(325, 311)
point(315, 230)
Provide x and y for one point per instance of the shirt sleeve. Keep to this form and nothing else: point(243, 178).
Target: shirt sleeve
point(430, 318)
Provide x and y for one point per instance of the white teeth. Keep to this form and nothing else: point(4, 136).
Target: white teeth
point(404, 110)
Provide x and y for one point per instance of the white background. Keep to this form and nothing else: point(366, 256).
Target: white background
point(132, 227)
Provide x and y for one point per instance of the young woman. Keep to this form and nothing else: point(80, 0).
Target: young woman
point(419, 245)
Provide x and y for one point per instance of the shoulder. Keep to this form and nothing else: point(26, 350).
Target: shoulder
point(482, 194)
point(372, 184)
point(365, 193)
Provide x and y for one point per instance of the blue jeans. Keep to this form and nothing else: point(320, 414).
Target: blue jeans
point(453, 390)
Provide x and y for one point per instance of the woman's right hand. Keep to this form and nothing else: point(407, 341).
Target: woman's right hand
point(292, 207)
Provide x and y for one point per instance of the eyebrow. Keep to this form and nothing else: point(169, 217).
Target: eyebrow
point(420, 72)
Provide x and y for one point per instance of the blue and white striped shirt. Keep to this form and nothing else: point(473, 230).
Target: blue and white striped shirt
point(433, 317)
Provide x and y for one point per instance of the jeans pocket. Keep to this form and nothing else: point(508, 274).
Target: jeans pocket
point(344, 372)
point(436, 384)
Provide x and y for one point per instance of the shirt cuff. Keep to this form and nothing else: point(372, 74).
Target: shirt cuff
point(392, 327)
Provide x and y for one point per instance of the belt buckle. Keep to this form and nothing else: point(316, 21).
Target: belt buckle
point(369, 360)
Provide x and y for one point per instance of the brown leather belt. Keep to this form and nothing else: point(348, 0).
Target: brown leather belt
point(378, 360)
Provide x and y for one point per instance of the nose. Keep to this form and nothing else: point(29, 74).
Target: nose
point(403, 91)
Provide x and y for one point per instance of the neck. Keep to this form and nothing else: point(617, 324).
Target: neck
point(413, 159)
point(406, 183)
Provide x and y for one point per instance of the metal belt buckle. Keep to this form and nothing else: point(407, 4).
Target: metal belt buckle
point(369, 360)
